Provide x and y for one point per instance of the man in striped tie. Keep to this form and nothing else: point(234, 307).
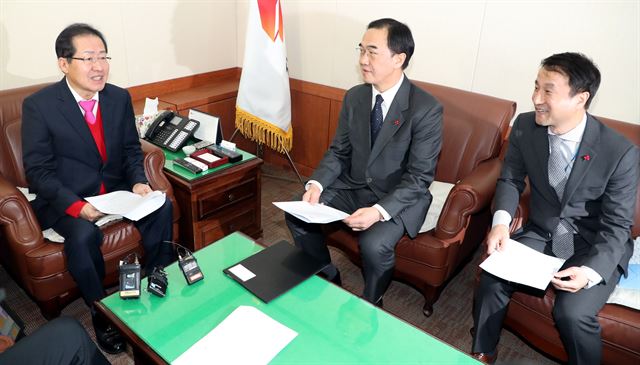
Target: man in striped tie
point(583, 178)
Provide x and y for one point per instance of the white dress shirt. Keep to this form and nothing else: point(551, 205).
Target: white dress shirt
point(79, 98)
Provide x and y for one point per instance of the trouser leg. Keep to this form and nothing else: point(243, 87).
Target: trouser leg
point(84, 258)
point(489, 309)
point(155, 229)
point(377, 249)
point(310, 236)
point(575, 318)
point(61, 341)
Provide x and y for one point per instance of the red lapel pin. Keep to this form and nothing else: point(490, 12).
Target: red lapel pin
point(586, 157)
point(397, 122)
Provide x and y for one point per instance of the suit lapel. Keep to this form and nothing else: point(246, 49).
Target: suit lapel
point(541, 148)
point(394, 119)
point(73, 116)
point(588, 147)
point(362, 119)
point(106, 112)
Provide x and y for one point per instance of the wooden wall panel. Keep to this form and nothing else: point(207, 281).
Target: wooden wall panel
point(226, 110)
point(310, 121)
point(334, 116)
point(182, 83)
point(315, 109)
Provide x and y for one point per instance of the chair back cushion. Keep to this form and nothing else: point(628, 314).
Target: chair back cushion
point(474, 127)
point(13, 158)
point(10, 138)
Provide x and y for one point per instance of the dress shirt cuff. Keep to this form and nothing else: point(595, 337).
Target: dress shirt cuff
point(75, 208)
point(383, 213)
point(594, 277)
point(308, 185)
point(501, 217)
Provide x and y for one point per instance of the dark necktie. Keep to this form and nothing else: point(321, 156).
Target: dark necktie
point(562, 244)
point(376, 118)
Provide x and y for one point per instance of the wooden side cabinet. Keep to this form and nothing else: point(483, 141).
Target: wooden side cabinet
point(218, 204)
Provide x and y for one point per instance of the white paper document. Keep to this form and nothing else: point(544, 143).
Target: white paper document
point(208, 130)
point(128, 204)
point(312, 213)
point(521, 264)
point(247, 336)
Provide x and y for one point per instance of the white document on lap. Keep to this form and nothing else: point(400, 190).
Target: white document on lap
point(128, 204)
point(312, 213)
point(521, 264)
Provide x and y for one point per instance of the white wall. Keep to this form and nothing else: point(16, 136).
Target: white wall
point(148, 40)
point(488, 46)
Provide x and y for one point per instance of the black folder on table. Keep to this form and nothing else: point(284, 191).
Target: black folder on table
point(277, 269)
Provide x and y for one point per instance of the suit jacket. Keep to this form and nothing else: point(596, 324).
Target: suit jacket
point(61, 160)
point(599, 196)
point(401, 164)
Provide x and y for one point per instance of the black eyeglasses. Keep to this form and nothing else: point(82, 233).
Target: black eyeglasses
point(93, 59)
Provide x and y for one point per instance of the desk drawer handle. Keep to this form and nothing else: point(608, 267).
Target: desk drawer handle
point(231, 197)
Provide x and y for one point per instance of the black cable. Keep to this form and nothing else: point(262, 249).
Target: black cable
point(185, 251)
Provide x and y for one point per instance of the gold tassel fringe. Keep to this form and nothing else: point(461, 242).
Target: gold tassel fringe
point(261, 131)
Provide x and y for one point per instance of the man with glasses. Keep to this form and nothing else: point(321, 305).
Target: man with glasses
point(79, 139)
point(381, 161)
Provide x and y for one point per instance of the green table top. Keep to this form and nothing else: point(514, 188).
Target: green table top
point(188, 175)
point(333, 325)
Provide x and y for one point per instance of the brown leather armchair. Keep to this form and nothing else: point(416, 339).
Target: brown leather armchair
point(474, 129)
point(530, 316)
point(37, 265)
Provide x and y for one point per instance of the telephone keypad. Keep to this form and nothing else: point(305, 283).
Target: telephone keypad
point(178, 140)
point(190, 125)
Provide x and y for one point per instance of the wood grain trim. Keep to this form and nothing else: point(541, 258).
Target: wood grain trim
point(320, 90)
point(182, 83)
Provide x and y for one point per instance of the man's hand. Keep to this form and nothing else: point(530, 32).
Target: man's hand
point(312, 195)
point(90, 213)
point(5, 343)
point(141, 189)
point(571, 279)
point(362, 218)
point(497, 238)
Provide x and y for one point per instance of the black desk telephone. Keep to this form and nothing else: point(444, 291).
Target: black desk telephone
point(171, 131)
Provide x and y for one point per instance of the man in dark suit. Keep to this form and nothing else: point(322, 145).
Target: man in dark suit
point(62, 341)
point(79, 139)
point(381, 161)
point(583, 178)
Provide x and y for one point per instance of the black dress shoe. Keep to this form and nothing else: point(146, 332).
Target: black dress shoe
point(484, 357)
point(336, 279)
point(378, 303)
point(108, 338)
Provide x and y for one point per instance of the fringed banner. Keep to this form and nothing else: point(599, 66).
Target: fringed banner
point(263, 105)
point(261, 131)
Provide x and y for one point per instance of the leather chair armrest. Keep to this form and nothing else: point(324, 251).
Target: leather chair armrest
point(154, 169)
point(469, 196)
point(19, 224)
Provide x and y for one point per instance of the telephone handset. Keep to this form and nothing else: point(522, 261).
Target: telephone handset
point(171, 131)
